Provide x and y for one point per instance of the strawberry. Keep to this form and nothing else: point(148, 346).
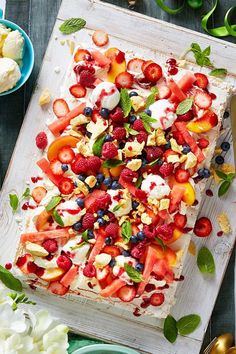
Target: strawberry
point(89, 270)
point(101, 274)
point(135, 65)
point(64, 262)
point(157, 299)
point(77, 91)
point(164, 92)
point(138, 125)
point(153, 72)
point(182, 175)
point(119, 133)
point(112, 230)
point(165, 231)
point(66, 154)
point(186, 116)
point(203, 227)
point(127, 293)
point(142, 137)
point(100, 38)
point(96, 200)
point(128, 175)
point(120, 57)
point(180, 220)
point(166, 169)
point(57, 288)
point(87, 78)
point(66, 185)
point(203, 100)
point(79, 165)
point(201, 80)
point(38, 193)
point(117, 115)
point(124, 80)
point(22, 262)
point(145, 64)
point(55, 166)
point(41, 140)
point(81, 55)
point(88, 221)
point(153, 153)
point(178, 137)
point(94, 163)
point(109, 150)
point(60, 107)
point(203, 143)
point(50, 245)
point(112, 250)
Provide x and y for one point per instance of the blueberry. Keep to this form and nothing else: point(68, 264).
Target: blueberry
point(134, 239)
point(144, 162)
point(64, 167)
point(225, 146)
point(219, 160)
point(104, 112)
point(186, 149)
point(100, 177)
point(226, 114)
point(101, 221)
point(135, 204)
point(88, 111)
point(148, 112)
point(80, 202)
point(121, 145)
point(201, 172)
point(97, 185)
point(77, 226)
point(108, 137)
point(112, 262)
point(101, 213)
point(132, 118)
point(133, 93)
point(88, 134)
point(107, 181)
point(126, 253)
point(108, 241)
point(115, 185)
point(140, 235)
point(82, 178)
point(207, 173)
point(167, 145)
point(90, 234)
point(139, 267)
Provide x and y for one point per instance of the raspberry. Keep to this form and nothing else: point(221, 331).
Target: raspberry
point(79, 165)
point(165, 232)
point(94, 163)
point(119, 133)
point(102, 202)
point(138, 125)
point(64, 262)
point(31, 267)
point(153, 153)
point(148, 231)
point(142, 136)
point(117, 115)
point(41, 140)
point(128, 175)
point(88, 221)
point(89, 270)
point(139, 250)
point(87, 78)
point(109, 150)
point(79, 68)
point(166, 169)
point(50, 246)
point(112, 230)
point(203, 143)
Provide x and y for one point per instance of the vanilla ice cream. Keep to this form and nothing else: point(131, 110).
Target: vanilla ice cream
point(155, 187)
point(70, 212)
point(9, 74)
point(105, 95)
point(121, 203)
point(3, 35)
point(162, 111)
point(13, 46)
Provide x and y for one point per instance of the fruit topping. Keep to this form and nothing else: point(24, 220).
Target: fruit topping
point(202, 125)
point(57, 288)
point(60, 107)
point(152, 72)
point(165, 231)
point(100, 38)
point(124, 80)
point(55, 166)
point(182, 175)
point(66, 154)
point(89, 270)
point(203, 100)
point(64, 262)
point(38, 193)
point(166, 169)
point(203, 227)
point(81, 55)
point(50, 245)
point(201, 80)
point(109, 150)
point(87, 79)
point(41, 140)
point(135, 65)
point(112, 230)
point(66, 185)
point(78, 91)
point(127, 293)
point(180, 220)
point(88, 221)
point(157, 299)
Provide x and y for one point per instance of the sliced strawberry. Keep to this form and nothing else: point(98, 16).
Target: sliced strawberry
point(180, 220)
point(182, 175)
point(55, 166)
point(153, 72)
point(57, 288)
point(201, 80)
point(203, 227)
point(126, 293)
point(157, 299)
point(112, 288)
point(101, 59)
point(100, 38)
point(66, 154)
point(145, 64)
point(66, 186)
point(203, 143)
point(60, 107)
point(124, 80)
point(203, 100)
point(164, 91)
point(101, 274)
point(78, 91)
point(112, 250)
point(81, 55)
point(38, 193)
point(135, 65)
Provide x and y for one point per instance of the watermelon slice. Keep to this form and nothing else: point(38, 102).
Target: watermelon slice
point(98, 246)
point(148, 268)
point(45, 167)
point(40, 237)
point(112, 288)
point(176, 196)
point(69, 276)
point(176, 90)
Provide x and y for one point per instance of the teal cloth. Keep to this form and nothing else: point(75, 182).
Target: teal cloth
point(77, 342)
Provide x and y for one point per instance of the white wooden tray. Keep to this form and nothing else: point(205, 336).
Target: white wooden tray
point(197, 294)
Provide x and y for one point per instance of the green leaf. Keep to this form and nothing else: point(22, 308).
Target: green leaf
point(152, 97)
point(57, 218)
point(224, 187)
point(221, 174)
point(97, 146)
point(79, 245)
point(112, 163)
point(218, 72)
point(188, 324)
point(147, 127)
point(13, 296)
point(126, 231)
point(205, 261)
point(20, 298)
point(9, 280)
point(125, 102)
point(116, 208)
point(14, 201)
point(53, 203)
point(85, 235)
point(201, 56)
point(153, 163)
point(72, 25)
point(130, 130)
point(145, 117)
point(161, 243)
point(26, 193)
point(133, 273)
point(138, 182)
point(170, 329)
point(184, 106)
point(230, 176)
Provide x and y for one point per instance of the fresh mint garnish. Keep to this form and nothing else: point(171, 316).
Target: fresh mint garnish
point(184, 106)
point(125, 101)
point(126, 231)
point(26, 193)
point(53, 203)
point(184, 326)
point(226, 181)
point(218, 72)
point(161, 243)
point(56, 216)
point(134, 275)
point(152, 97)
point(112, 163)
point(14, 201)
point(9, 280)
point(201, 56)
point(205, 261)
point(170, 329)
point(116, 208)
point(97, 146)
point(130, 130)
point(72, 25)
point(85, 235)
point(146, 119)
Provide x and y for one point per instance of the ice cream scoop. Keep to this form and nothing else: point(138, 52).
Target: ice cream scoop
point(4, 31)
point(162, 111)
point(9, 74)
point(13, 46)
point(105, 95)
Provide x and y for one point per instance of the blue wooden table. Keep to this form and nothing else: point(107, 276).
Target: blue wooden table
point(37, 18)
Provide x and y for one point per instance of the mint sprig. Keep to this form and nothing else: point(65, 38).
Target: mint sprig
point(126, 231)
point(72, 25)
point(201, 56)
point(205, 261)
point(97, 146)
point(161, 243)
point(15, 200)
point(152, 97)
point(184, 326)
point(146, 119)
point(134, 275)
point(130, 130)
point(53, 202)
point(9, 280)
point(218, 72)
point(184, 106)
point(125, 101)
point(56, 216)
point(226, 181)
point(112, 163)
point(20, 299)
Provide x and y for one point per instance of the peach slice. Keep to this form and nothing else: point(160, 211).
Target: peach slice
point(116, 67)
point(188, 195)
point(58, 143)
point(176, 235)
point(170, 256)
point(202, 125)
point(52, 274)
point(42, 220)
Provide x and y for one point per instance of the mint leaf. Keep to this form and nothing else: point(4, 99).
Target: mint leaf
point(170, 329)
point(130, 130)
point(97, 146)
point(53, 203)
point(230, 176)
point(26, 193)
point(201, 56)
point(224, 187)
point(161, 243)
point(184, 106)
point(72, 25)
point(14, 201)
point(188, 324)
point(125, 101)
point(153, 163)
point(85, 235)
point(138, 182)
point(205, 261)
point(152, 97)
point(112, 163)
point(218, 72)
point(116, 208)
point(133, 273)
point(221, 174)
point(79, 245)
point(57, 218)
point(126, 231)
point(9, 280)
point(146, 119)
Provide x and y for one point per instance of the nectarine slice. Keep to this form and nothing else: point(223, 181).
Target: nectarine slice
point(58, 143)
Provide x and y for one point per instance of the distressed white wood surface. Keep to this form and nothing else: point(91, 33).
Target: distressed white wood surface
point(197, 294)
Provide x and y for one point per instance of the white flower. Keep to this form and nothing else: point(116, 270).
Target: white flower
point(12, 321)
point(55, 341)
point(41, 323)
point(18, 344)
